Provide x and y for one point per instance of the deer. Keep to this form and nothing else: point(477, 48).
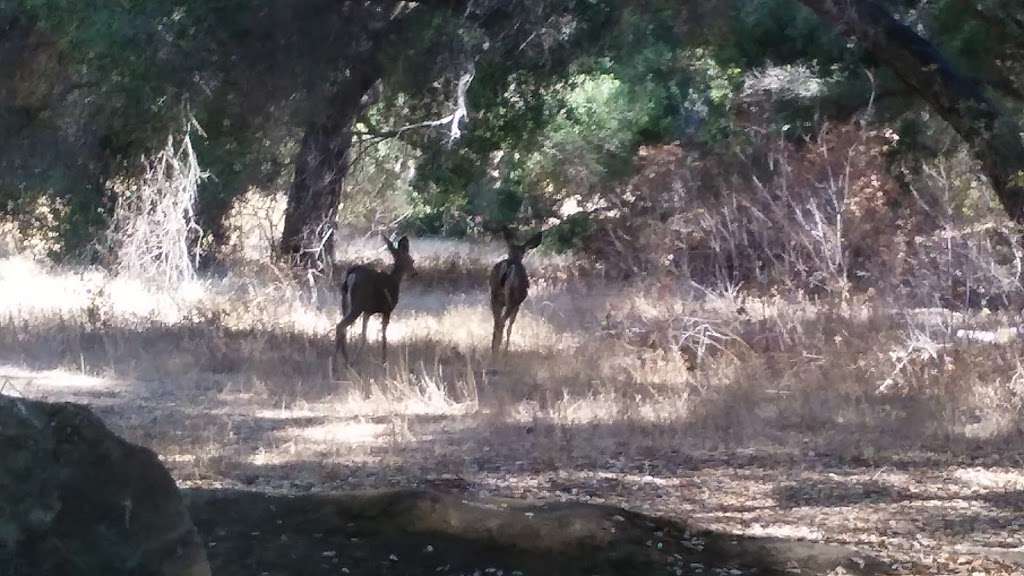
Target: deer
point(365, 292)
point(510, 285)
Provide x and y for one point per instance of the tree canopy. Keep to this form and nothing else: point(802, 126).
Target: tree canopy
point(530, 111)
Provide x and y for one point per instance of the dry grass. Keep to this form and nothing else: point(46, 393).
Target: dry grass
point(615, 391)
point(721, 366)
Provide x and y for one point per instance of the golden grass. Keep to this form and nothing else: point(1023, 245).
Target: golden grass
point(737, 410)
point(856, 377)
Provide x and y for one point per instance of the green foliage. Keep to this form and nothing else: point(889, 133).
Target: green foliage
point(586, 131)
point(713, 90)
point(564, 93)
point(570, 233)
point(118, 88)
point(985, 39)
point(439, 199)
point(133, 52)
point(781, 32)
point(377, 189)
point(590, 141)
point(545, 134)
point(249, 72)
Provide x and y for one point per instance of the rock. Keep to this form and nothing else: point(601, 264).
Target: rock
point(77, 500)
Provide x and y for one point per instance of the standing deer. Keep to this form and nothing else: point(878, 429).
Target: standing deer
point(366, 292)
point(509, 287)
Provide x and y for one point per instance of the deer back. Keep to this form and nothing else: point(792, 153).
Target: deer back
point(368, 291)
point(509, 283)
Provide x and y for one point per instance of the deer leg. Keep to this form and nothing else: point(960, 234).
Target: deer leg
point(339, 335)
point(499, 326)
point(366, 320)
point(385, 318)
point(511, 318)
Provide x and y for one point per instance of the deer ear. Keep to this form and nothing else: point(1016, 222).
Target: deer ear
point(387, 242)
point(403, 244)
point(534, 241)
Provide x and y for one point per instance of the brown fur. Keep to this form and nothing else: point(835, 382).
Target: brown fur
point(366, 292)
point(510, 284)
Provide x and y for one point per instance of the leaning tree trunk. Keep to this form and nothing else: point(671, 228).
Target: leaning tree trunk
point(993, 135)
point(321, 165)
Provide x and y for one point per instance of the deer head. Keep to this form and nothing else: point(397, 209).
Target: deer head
point(516, 251)
point(404, 263)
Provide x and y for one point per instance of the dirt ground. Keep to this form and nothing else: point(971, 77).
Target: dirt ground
point(261, 487)
point(429, 532)
point(785, 431)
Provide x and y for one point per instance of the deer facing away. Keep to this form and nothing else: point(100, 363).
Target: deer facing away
point(366, 292)
point(509, 287)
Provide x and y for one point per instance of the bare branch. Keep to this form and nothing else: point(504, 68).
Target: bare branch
point(453, 120)
point(993, 134)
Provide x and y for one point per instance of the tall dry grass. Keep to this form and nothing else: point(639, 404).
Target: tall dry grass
point(679, 365)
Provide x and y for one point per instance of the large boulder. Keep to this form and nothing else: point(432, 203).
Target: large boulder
point(77, 500)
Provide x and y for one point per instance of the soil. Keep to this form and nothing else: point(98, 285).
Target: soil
point(429, 532)
point(268, 490)
point(272, 461)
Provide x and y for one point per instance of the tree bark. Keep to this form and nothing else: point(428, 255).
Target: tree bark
point(992, 133)
point(322, 162)
point(321, 165)
point(323, 159)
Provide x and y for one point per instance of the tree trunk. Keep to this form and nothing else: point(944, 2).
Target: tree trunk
point(321, 165)
point(993, 135)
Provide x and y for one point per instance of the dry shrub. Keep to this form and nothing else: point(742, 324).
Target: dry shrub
point(805, 214)
point(966, 252)
point(836, 213)
point(33, 232)
point(960, 267)
point(643, 230)
point(154, 230)
point(253, 226)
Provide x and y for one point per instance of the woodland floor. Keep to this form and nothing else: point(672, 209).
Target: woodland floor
point(921, 514)
point(783, 433)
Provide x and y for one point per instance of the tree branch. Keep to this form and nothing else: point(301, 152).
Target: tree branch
point(453, 120)
point(993, 135)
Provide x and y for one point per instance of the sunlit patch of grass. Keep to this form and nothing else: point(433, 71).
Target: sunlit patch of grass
point(854, 376)
point(986, 479)
point(724, 406)
point(31, 287)
point(20, 381)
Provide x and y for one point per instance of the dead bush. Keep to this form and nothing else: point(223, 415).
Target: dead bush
point(154, 231)
point(805, 214)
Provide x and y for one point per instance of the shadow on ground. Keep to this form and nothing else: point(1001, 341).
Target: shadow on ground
point(426, 532)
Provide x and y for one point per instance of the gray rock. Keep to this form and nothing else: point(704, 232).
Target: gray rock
point(77, 500)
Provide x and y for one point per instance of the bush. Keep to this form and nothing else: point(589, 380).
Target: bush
point(154, 230)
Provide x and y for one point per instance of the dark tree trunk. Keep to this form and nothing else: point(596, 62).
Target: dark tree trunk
point(321, 165)
point(322, 162)
point(993, 134)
